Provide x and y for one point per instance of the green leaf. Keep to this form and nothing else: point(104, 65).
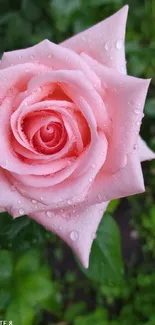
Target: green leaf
point(106, 264)
point(65, 7)
point(113, 206)
point(53, 303)
point(28, 262)
point(19, 313)
point(31, 10)
point(5, 296)
point(150, 107)
point(35, 288)
point(74, 310)
point(99, 317)
point(97, 3)
point(6, 266)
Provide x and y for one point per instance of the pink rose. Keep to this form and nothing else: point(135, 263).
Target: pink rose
point(70, 119)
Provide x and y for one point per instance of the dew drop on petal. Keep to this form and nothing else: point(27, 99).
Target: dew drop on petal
point(138, 123)
point(131, 102)
point(106, 46)
point(119, 44)
point(137, 111)
point(34, 201)
point(74, 235)
point(135, 146)
point(93, 235)
point(49, 214)
point(69, 202)
point(90, 179)
point(21, 211)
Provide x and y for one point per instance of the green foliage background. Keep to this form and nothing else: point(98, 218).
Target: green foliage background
point(37, 285)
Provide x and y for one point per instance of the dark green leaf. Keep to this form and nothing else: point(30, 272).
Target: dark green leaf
point(31, 10)
point(6, 266)
point(28, 262)
point(99, 317)
point(106, 264)
point(74, 310)
point(150, 107)
point(5, 296)
point(65, 7)
point(20, 313)
point(36, 287)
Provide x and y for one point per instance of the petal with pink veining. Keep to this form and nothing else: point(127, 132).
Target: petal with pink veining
point(104, 41)
point(145, 153)
point(75, 226)
point(124, 98)
point(127, 181)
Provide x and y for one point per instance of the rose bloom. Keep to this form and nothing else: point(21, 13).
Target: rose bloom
point(69, 131)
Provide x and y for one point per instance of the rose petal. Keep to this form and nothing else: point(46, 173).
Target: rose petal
point(104, 41)
point(13, 201)
point(73, 188)
point(51, 55)
point(145, 153)
point(75, 82)
point(124, 99)
point(76, 227)
point(127, 181)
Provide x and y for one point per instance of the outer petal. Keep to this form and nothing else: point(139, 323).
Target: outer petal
point(76, 227)
point(104, 41)
point(124, 98)
point(144, 152)
point(13, 201)
point(127, 181)
point(50, 55)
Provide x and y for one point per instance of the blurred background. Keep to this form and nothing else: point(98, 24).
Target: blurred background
point(40, 280)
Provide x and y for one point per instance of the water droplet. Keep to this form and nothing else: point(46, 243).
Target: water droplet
point(131, 102)
point(106, 46)
point(93, 236)
point(134, 234)
point(13, 188)
point(69, 202)
point(122, 68)
point(21, 211)
point(135, 146)
point(90, 179)
point(49, 214)
point(27, 70)
point(74, 235)
point(42, 198)
point(138, 123)
point(137, 111)
point(99, 197)
point(34, 201)
point(119, 44)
